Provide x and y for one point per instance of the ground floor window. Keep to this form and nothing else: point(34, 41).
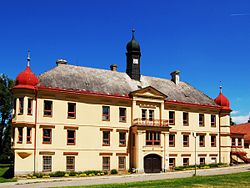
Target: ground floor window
point(213, 160)
point(47, 163)
point(106, 163)
point(171, 162)
point(70, 163)
point(122, 163)
point(185, 161)
point(202, 161)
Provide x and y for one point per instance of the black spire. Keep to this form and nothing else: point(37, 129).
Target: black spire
point(133, 58)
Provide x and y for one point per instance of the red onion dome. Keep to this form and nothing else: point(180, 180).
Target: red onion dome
point(222, 101)
point(26, 79)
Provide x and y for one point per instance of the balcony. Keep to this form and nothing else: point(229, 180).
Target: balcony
point(152, 123)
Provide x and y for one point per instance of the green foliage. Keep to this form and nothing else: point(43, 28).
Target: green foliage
point(95, 172)
point(38, 175)
point(57, 174)
point(113, 171)
point(6, 173)
point(203, 166)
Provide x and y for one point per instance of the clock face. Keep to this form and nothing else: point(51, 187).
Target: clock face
point(135, 61)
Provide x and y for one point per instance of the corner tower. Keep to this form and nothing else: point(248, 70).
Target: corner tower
point(133, 58)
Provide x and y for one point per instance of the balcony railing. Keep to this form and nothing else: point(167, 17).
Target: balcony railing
point(238, 151)
point(148, 122)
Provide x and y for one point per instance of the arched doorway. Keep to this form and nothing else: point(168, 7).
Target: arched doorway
point(152, 163)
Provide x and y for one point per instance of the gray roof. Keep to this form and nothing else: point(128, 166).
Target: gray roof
point(118, 83)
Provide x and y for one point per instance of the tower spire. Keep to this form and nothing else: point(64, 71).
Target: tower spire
point(133, 34)
point(220, 87)
point(28, 59)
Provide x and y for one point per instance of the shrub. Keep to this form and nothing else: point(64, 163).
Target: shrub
point(113, 171)
point(58, 174)
point(72, 173)
point(105, 172)
point(83, 175)
point(95, 172)
point(66, 175)
point(46, 176)
point(38, 175)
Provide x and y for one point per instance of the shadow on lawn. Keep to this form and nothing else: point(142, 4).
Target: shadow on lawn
point(9, 173)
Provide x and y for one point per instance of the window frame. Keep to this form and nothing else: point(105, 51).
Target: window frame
point(233, 142)
point(213, 120)
point(172, 141)
point(202, 139)
point(105, 117)
point(29, 107)
point(20, 135)
point(201, 161)
point(121, 167)
point(151, 115)
point(21, 106)
point(172, 119)
point(28, 138)
point(172, 164)
point(105, 139)
point(69, 139)
point(122, 142)
point(49, 158)
point(185, 121)
point(185, 142)
point(144, 114)
point(47, 137)
point(213, 143)
point(201, 120)
point(239, 142)
point(70, 167)
point(151, 140)
point(49, 111)
point(122, 117)
point(106, 166)
point(185, 163)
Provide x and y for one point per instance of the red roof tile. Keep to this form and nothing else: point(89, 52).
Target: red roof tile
point(242, 129)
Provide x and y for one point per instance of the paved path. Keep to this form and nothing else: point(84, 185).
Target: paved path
point(59, 182)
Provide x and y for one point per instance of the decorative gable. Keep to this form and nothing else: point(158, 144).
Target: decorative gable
point(148, 92)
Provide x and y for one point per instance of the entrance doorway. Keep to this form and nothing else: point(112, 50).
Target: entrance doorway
point(152, 163)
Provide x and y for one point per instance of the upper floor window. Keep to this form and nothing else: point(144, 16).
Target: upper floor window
point(213, 121)
point(21, 101)
point(202, 140)
point(70, 163)
point(106, 138)
point(185, 118)
point(71, 137)
point(171, 140)
point(201, 120)
point(47, 108)
point(239, 142)
point(105, 113)
point(122, 114)
point(213, 141)
point(28, 137)
point(47, 163)
point(20, 135)
point(171, 117)
point(153, 138)
point(151, 115)
point(29, 110)
point(122, 138)
point(233, 142)
point(185, 140)
point(71, 110)
point(47, 136)
point(144, 114)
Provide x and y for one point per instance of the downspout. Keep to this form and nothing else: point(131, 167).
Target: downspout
point(36, 91)
point(220, 136)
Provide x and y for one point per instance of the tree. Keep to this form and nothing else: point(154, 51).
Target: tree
point(5, 115)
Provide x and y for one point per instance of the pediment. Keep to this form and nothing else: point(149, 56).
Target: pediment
point(149, 92)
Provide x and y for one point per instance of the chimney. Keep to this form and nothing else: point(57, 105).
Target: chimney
point(176, 77)
point(61, 62)
point(113, 67)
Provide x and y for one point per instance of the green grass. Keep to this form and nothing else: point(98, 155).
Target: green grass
point(231, 180)
point(6, 173)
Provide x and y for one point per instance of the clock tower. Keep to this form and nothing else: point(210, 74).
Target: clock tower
point(133, 58)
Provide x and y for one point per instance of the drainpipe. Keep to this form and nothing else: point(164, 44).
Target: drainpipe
point(36, 91)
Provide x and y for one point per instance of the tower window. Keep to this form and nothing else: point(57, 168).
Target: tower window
point(21, 106)
point(28, 137)
point(30, 106)
point(20, 135)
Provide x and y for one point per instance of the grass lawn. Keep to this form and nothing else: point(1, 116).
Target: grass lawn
point(6, 173)
point(232, 180)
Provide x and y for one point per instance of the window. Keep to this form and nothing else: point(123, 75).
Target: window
point(185, 118)
point(122, 138)
point(202, 161)
point(122, 114)
point(213, 141)
point(20, 106)
point(151, 115)
point(106, 163)
point(152, 138)
point(233, 142)
point(72, 110)
point(70, 163)
point(171, 162)
point(239, 142)
point(47, 109)
point(47, 136)
point(213, 160)
point(246, 145)
point(144, 114)
point(106, 138)
point(185, 161)
point(122, 163)
point(28, 137)
point(201, 120)
point(202, 140)
point(71, 137)
point(47, 163)
point(171, 118)
point(171, 140)
point(29, 106)
point(105, 113)
point(185, 140)
point(20, 135)
point(213, 121)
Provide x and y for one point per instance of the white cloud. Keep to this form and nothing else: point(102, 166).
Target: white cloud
point(235, 112)
point(239, 14)
point(241, 119)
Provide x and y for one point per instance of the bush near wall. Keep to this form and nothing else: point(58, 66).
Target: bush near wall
point(203, 166)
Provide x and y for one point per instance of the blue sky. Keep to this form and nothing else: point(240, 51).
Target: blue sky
point(208, 40)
